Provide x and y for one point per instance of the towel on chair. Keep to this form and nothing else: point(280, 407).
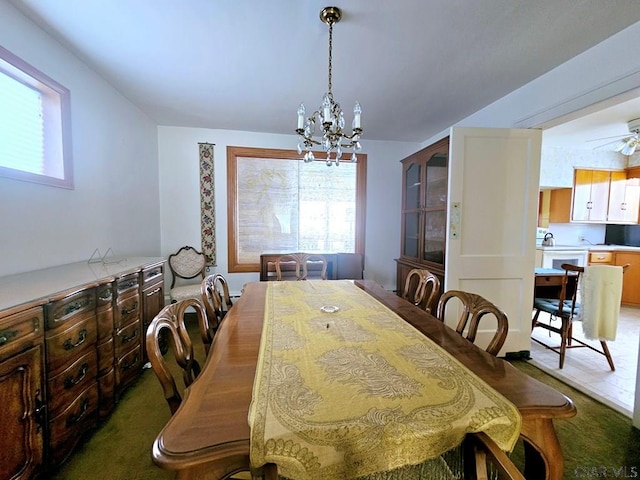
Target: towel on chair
point(600, 301)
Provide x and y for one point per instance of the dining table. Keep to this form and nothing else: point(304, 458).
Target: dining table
point(213, 433)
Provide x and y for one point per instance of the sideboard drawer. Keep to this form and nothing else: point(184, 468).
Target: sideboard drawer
point(68, 384)
point(71, 307)
point(20, 330)
point(64, 345)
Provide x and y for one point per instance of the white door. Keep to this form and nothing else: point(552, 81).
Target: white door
point(492, 219)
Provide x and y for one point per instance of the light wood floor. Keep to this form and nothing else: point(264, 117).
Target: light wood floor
point(589, 371)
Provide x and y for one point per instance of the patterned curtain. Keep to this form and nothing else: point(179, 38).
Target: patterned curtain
point(207, 203)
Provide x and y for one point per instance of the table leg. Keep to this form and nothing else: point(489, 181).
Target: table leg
point(543, 454)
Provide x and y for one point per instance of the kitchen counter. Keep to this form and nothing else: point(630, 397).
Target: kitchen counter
point(591, 248)
point(613, 248)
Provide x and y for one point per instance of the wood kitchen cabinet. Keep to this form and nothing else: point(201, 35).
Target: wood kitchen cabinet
point(70, 341)
point(554, 206)
point(22, 393)
point(590, 195)
point(631, 277)
point(624, 198)
point(424, 214)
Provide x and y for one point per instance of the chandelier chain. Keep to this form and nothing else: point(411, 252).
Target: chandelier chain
point(330, 57)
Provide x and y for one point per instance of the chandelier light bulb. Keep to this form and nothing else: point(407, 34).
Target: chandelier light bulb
point(329, 116)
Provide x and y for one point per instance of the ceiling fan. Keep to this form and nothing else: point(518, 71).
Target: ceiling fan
point(625, 144)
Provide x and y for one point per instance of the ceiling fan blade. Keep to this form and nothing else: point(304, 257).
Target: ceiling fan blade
point(608, 138)
point(614, 146)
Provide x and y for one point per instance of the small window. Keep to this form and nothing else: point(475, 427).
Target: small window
point(35, 139)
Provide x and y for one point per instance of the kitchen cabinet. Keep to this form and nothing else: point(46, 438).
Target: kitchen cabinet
point(601, 258)
point(22, 393)
point(631, 277)
point(554, 206)
point(70, 340)
point(590, 195)
point(424, 214)
point(624, 198)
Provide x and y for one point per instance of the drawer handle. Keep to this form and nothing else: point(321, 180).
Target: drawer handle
point(76, 417)
point(75, 306)
point(154, 274)
point(133, 336)
point(127, 366)
point(124, 286)
point(133, 308)
point(70, 381)
point(69, 345)
point(7, 335)
point(107, 295)
point(150, 294)
point(40, 412)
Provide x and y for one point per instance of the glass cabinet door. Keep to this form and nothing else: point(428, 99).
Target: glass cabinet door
point(411, 234)
point(434, 233)
point(412, 187)
point(436, 181)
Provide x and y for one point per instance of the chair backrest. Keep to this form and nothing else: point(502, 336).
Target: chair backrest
point(217, 304)
point(300, 263)
point(474, 307)
point(568, 297)
point(421, 288)
point(483, 459)
point(171, 320)
point(186, 263)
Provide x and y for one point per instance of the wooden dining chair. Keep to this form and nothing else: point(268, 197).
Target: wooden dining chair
point(216, 299)
point(473, 308)
point(302, 264)
point(484, 460)
point(566, 308)
point(170, 321)
point(422, 288)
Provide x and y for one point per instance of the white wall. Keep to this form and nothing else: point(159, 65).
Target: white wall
point(115, 200)
point(180, 201)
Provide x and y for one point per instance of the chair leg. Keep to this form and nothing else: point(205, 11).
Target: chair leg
point(607, 354)
point(534, 320)
point(564, 339)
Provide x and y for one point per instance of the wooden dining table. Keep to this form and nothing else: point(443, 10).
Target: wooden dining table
point(209, 436)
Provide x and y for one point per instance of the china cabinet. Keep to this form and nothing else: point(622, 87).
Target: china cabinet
point(424, 211)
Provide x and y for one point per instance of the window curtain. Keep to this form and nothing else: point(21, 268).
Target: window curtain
point(207, 203)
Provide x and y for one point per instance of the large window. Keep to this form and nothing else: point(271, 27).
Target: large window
point(278, 203)
point(35, 143)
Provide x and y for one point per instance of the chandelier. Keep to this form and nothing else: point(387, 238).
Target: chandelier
point(334, 140)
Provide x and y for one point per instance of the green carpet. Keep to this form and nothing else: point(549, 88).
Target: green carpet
point(598, 443)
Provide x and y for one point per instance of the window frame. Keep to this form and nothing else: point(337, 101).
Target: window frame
point(233, 152)
point(56, 110)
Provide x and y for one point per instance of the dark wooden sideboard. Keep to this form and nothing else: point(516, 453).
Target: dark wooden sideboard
point(347, 266)
point(71, 340)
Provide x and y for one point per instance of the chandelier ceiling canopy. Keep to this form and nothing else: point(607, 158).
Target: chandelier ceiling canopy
point(332, 138)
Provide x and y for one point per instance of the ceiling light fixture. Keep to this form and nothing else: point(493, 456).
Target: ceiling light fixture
point(329, 115)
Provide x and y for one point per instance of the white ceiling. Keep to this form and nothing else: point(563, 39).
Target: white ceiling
point(416, 66)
